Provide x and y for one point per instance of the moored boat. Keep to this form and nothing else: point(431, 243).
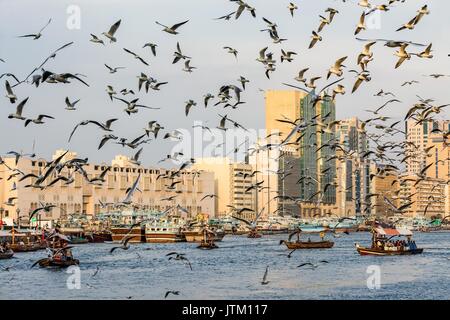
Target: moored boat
point(196, 235)
point(165, 230)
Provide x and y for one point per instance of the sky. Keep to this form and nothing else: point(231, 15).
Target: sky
point(203, 39)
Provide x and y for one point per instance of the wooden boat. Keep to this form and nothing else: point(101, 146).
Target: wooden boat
point(120, 231)
point(49, 262)
point(309, 244)
point(8, 254)
point(196, 235)
point(254, 234)
point(383, 246)
point(100, 236)
point(207, 242)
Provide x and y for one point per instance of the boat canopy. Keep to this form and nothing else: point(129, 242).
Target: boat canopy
point(393, 232)
point(312, 229)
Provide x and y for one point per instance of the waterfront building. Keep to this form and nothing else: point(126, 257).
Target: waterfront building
point(385, 184)
point(86, 198)
point(231, 179)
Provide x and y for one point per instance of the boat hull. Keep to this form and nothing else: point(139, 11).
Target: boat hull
point(380, 252)
point(59, 264)
point(197, 236)
point(100, 237)
point(156, 237)
point(309, 245)
point(6, 255)
point(118, 233)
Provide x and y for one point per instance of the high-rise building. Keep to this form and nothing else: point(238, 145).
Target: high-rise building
point(353, 169)
point(317, 192)
point(231, 180)
point(417, 137)
point(84, 197)
point(384, 184)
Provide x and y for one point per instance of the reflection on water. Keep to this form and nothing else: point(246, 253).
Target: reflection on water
point(234, 271)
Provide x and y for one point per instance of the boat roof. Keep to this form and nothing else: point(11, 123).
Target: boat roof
point(393, 232)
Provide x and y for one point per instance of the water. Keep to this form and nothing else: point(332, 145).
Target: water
point(234, 271)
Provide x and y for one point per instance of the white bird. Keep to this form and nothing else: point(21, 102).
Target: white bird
point(336, 68)
point(292, 7)
point(362, 24)
point(36, 36)
point(95, 39)
point(71, 105)
point(402, 55)
point(9, 93)
point(19, 109)
point(112, 31)
point(187, 67)
point(113, 70)
point(172, 29)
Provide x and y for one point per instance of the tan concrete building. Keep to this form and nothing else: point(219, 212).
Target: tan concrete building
point(84, 197)
point(282, 105)
point(384, 185)
point(231, 179)
point(428, 196)
point(418, 136)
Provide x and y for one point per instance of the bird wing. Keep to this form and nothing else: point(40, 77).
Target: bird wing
point(114, 28)
point(176, 26)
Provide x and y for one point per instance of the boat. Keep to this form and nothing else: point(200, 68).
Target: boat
point(207, 242)
point(383, 245)
point(165, 230)
point(308, 244)
point(272, 227)
point(99, 236)
point(23, 240)
point(126, 223)
point(253, 234)
point(58, 263)
point(7, 254)
point(196, 235)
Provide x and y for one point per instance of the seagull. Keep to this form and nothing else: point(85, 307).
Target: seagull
point(136, 56)
point(71, 105)
point(300, 77)
point(336, 68)
point(9, 93)
point(232, 51)
point(124, 242)
point(179, 256)
point(362, 76)
point(36, 35)
point(172, 29)
point(132, 105)
point(187, 67)
point(315, 37)
point(19, 109)
point(243, 81)
point(312, 265)
point(105, 127)
point(189, 105)
point(402, 54)
point(112, 31)
point(38, 120)
point(152, 47)
point(264, 279)
point(425, 54)
point(179, 55)
point(409, 25)
point(113, 70)
point(226, 17)
point(110, 90)
point(287, 55)
point(292, 7)
point(176, 293)
point(362, 24)
point(95, 39)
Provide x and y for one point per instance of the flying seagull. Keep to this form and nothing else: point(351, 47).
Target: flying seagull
point(36, 36)
point(172, 29)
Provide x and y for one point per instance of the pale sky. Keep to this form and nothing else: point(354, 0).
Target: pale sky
point(202, 38)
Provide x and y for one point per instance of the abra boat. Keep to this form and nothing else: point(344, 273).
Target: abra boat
point(8, 254)
point(196, 234)
point(384, 245)
point(308, 244)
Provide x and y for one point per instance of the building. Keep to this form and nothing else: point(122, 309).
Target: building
point(417, 137)
point(84, 197)
point(231, 180)
point(316, 193)
point(428, 197)
point(385, 184)
point(352, 169)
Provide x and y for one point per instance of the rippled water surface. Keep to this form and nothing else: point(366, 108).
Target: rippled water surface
point(234, 271)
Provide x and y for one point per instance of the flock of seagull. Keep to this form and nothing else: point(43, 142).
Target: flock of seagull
point(378, 128)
